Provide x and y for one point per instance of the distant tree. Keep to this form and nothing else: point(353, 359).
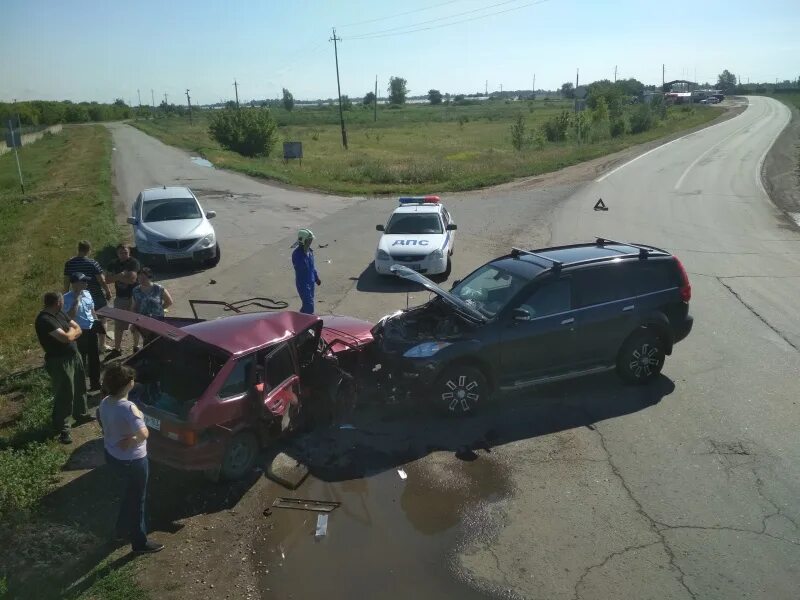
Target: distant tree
point(75, 113)
point(347, 104)
point(288, 99)
point(608, 91)
point(568, 90)
point(120, 102)
point(434, 96)
point(518, 132)
point(398, 90)
point(630, 87)
point(230, 105)
point(250, 132)
point(369, 99)
point(726, 81)
point(459, 98)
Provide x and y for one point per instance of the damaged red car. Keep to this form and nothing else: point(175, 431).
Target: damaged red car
point(214, 392)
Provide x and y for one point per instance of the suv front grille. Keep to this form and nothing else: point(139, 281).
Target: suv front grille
point(408, 257)
point(179, 244)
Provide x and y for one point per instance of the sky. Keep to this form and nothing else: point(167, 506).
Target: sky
point(101, 50)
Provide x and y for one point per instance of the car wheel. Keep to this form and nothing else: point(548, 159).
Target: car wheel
point(460, 390)
point(240, 455)
point(641, 357)
point(213, 262)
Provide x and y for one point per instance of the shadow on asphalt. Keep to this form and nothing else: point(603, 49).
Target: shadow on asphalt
point(377, 438)
point(371, 281)
point(374, 442)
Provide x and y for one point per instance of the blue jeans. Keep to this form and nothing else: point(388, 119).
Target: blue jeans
point(131, 519)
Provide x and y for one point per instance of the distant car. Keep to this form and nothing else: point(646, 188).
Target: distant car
point(419, 235)
point(213, 393)
point(170, 227)
point(533, 317)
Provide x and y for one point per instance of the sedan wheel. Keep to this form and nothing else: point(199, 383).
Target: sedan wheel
point(240, 456)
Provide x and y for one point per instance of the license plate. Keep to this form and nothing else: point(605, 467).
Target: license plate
point(152, 422)
point(179, 256)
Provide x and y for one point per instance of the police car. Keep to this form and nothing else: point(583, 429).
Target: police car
point(419, 235)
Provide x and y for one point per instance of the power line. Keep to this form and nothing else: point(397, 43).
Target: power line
point(408, 12)
point(499, 12)
point(436, 20)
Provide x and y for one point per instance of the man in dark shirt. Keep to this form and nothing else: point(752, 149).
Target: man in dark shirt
point(57, 335)
point(123, 273)
point(98, 287)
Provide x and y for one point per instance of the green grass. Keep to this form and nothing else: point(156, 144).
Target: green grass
point(413, 149)
point(107, 582)
point(68, 182)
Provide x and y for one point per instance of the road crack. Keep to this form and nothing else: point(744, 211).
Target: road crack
point(757, 315)
point(605, 561)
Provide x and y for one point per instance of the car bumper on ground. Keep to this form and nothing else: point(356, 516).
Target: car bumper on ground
point(421, 264)
point(204, 455)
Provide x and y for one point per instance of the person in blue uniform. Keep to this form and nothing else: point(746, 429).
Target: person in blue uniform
point(305, 273)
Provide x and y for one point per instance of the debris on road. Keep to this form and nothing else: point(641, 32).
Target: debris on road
point(600, 205)
point(302, 504)
point(287, 471)
point(322, 526)
point(347, 426)
point(402, 473)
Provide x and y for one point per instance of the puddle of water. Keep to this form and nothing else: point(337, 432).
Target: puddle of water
point(202, 162)
point(390, 537)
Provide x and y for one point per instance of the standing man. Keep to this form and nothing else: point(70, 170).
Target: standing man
point(305, 273)
point(79, 307)
point(57, 335)
point(123, 273)
point(98, 287)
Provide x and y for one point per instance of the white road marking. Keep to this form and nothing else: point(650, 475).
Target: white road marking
point(683, 137)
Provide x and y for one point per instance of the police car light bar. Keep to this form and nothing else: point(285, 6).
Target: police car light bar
point(419, 200)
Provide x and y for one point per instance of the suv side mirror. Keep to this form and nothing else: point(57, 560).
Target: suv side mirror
point(452, 227)
point(211, 214)
point(131, 220)
point(520, 314)
point(380, 228)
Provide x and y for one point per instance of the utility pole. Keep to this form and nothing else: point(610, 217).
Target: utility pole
point(335, 39)
point(663, 70)
point(615, 73)
point(533, 95)
point(486, 88)
point(375, 107)
point(165, 102)
point(14, 145)
point(577, 74)
point(153, 100)
point(236, 87)
point(189, 102)
point(501, 88)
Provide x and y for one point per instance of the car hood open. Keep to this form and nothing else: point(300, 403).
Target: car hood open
point(453, 301)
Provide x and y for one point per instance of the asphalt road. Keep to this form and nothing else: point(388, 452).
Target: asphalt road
point(685, 489)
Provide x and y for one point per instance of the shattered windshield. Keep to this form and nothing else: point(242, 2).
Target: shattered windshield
point(489, 289)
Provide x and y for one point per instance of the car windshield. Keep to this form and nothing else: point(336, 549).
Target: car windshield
point(414, 223)
point(489, 289)
point(173, 209)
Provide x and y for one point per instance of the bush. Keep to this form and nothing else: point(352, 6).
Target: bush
point(555, 128)
point(250, 132)
point(641, 119)
point(618, 127)
point(518, 132)
point(75, 113)
point(27, 475)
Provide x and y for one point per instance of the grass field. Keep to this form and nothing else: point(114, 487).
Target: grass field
point(413, 149)
point(68, 183)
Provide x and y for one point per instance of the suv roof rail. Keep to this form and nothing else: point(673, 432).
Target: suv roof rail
point(644, 251)
point(554, 264)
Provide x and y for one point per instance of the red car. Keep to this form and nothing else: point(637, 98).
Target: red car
point(214, 392)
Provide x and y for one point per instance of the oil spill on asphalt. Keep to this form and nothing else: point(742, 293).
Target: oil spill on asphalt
point(391, 537)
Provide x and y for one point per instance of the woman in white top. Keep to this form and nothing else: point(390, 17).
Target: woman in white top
point(125, 442)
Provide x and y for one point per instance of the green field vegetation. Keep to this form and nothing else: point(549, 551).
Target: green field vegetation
point(68, 183)
point(417, 148)
point(36, 114)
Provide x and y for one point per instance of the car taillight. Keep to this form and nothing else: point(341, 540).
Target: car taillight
point(185, 436)
point(686, 287)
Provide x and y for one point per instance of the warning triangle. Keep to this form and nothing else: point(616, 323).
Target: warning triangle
point(600, 205)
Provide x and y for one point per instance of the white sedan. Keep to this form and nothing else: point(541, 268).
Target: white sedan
point(419, 235)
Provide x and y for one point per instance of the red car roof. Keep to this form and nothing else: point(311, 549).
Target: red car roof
point(244, 333)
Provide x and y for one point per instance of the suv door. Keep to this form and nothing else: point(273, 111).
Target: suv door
point(545, 343)
point(605, 298)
